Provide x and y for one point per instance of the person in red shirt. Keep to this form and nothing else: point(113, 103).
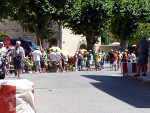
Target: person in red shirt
point(115, 60)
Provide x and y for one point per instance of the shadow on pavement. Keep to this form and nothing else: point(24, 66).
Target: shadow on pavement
point(130, 91)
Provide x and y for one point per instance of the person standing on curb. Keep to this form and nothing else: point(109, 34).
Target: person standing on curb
point(18, 55)
point(143, 47)
point(36, 58)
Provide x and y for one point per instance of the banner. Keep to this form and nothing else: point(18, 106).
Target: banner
point(7, 40)
point(17, 96)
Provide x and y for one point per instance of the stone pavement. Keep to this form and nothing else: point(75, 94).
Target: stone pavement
point(104, 91)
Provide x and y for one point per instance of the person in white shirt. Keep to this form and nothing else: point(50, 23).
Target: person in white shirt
point(36, 58)
point(53, 58)
point(133, 56)
point(59, 58)
point(2, 49)
point(18, 55)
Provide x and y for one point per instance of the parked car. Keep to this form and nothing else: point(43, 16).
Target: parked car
point(26, 44)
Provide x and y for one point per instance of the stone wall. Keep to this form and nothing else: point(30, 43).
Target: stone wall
point(72, 43)
point(107, 48)
point(14, 30)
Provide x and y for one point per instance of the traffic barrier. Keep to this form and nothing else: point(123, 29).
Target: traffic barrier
point(17, 96)
point(130, 67)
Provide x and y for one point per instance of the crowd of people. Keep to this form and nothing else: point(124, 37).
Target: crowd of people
point(117, 57)
point(53, 60)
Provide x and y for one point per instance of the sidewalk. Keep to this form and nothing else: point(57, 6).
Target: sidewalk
point(145, 79)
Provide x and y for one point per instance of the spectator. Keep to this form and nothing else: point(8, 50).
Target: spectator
point(143, 46)
point(18, 55)
point(79, 61)
point(129, 57)
point(66, 57)
point(103, 59)
point(36, 58)
point(87, 62)
point(133, 56)
point(59, 57)
point(119, 59)
point(53, 59)
point(101, 56)
point(42, 61)
point(48, 60)
point(115, 60)
point(111, 55)
point(90, 59)
point(125, 57)
point(63, 62)
point(97, 62)
point(2, 49)
point(76, 61)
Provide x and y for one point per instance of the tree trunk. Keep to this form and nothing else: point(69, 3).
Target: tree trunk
point(123, 45)
point(89, 39)
point(37, 32)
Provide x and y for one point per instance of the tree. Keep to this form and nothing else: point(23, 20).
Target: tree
point(126, 17)
point(142, 28)
point(90, 18)
point(39, 15)
point(8, 7)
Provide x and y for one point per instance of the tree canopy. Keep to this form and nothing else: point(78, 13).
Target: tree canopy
point(127, 14)
point(39, 15)
point(89, 18)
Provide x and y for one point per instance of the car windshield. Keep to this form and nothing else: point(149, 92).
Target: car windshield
point(31, 44)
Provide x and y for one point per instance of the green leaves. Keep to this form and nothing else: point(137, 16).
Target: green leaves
point(126, 16)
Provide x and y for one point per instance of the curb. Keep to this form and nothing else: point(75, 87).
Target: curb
point(142, 79)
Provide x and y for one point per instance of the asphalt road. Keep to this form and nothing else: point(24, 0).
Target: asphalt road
point(88, 92)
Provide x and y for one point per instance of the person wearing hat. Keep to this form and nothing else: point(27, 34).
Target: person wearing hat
point(103, 59)
point(143, 46)
point(37, 58)
point(111, 55)
point(18, 55)
point(119, 59)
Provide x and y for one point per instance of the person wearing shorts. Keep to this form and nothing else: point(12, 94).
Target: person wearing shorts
point(111, 55)
point(53, 59)
point(97, 62)
point(90, 59)
point(37, 58)
point(143, 47)
point(119, 60)
point(18, 55)
point(115, 60)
